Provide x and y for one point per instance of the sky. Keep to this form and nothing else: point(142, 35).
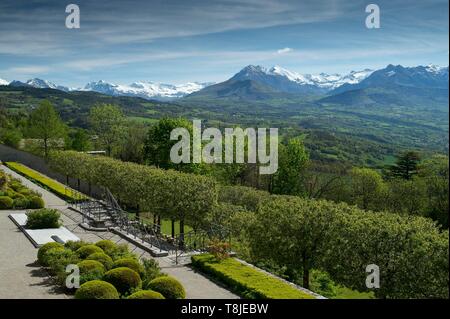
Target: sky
point(179, 41)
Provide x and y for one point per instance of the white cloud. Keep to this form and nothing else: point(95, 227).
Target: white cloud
point(284, 50)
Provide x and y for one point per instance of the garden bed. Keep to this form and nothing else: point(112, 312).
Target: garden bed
point(52, 185)
point(245, 280)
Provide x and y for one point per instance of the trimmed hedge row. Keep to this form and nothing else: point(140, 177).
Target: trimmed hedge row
point(168, 193)
point(246, 281)
point(54, 186)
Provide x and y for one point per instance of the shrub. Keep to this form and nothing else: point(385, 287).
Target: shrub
point(130, 263)
point(97, 289)
point(120, 251)
point(35, 202)
point(106, 245)
point(168, 286)
point(124, 279)
point(53, 185)
point(43, 250)
point(87, 250)
point(21, 203)
point(6, 202)
point(43, 218)
point(15, 195)
point(219, 249)
point(90, 270)
point(151, 271)
point(146, 294)
point(58, 258)
point(102, 258)
point(74, 245)
point(24, 191)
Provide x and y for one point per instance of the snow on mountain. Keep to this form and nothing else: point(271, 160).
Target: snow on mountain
point(3, 82)
point(44, 84)
point(322, 80)
point(146, 90)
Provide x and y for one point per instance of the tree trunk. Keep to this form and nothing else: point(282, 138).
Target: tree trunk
point(159, 223)
point(305, 272)
point(173, 228)
point(182, 232)
point(45, 148)
point(306, 278)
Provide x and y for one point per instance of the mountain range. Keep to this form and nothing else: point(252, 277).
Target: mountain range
point(393, 84)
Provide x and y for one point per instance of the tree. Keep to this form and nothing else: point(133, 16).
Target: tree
point(158, 145)
point(46, 125)
point(292, 162)
point(406, 166)
point(292, 232)
point(11, 136)
point(131, 145)
point(366, 187)
point(78, 140)
point(107, 121)
point(435, 175)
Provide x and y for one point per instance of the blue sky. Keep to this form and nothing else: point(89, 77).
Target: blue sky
point(180, 41)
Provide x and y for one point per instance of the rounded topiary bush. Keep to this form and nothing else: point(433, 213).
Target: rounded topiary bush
point(102, 258)
point(130, 263)
point(90, 270)
point(35, 202)
point(96, 289)
point(6, 202)
point(124, 279)
point(106, 245)
point(75, 245)
point(43, 250)
point(87, 250)
point(146, 294)
point(168, 286)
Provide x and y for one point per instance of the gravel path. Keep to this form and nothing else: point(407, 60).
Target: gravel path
point(20, 277)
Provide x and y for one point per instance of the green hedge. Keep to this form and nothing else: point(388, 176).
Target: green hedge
point(245, 280)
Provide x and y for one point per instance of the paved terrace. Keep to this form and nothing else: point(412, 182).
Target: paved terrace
point(21, 277)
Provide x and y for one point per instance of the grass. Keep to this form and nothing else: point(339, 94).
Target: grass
point(246, 281)
point(166, 225)
point(347, 293)
point(52, 185)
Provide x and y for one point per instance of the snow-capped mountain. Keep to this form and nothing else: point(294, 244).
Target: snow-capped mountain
point(146, 90)
point(3, 82)
point(43, 84)
point(288, 81)
point(322, 80)
point(430, 76)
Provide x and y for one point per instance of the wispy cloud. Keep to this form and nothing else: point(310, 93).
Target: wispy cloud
point(284, 50)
